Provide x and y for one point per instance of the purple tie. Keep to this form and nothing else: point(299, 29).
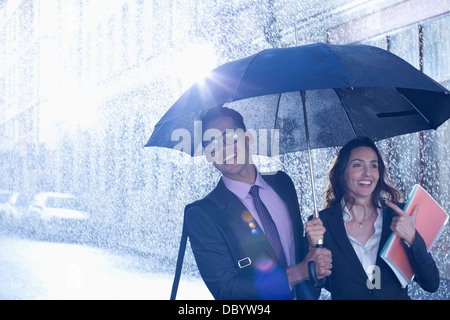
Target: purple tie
point(270, 229)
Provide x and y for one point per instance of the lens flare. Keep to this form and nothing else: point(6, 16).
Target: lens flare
point(265, 265)
point(247, 216)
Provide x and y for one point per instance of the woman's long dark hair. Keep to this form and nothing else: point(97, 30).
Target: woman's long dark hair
point(337, 188)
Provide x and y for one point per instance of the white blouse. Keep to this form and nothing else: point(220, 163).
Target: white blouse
point(367, 254)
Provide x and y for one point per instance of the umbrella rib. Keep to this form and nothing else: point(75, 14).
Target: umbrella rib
point(418, 111)
point(348, 116)
point(243, 74)
point(276, 113)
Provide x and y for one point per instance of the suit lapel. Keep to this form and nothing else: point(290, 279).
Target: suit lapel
point(287, 198)
point(280, 189)
point(386, 231)
point(239, 218)
point(338, 232)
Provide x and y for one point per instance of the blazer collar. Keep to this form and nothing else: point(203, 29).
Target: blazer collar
point(337, 230)
point(230, 203)
point(227, 200)
point(286, 195)
point(233, 208)
point(386, 231)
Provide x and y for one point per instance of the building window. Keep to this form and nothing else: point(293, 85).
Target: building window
point(405, 44)
point(436, 49)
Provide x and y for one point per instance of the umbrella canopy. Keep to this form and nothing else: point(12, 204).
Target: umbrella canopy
point(350, 90)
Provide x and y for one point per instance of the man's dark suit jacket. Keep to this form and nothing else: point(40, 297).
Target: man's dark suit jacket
point(237, 261)
point(348, 278)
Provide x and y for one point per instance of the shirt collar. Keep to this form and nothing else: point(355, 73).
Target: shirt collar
point(241, 189)
point(346, 213)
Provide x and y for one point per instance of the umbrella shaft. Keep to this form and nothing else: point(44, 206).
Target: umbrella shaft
point(313, 186)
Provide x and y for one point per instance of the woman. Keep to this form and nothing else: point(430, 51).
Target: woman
point(361, 211)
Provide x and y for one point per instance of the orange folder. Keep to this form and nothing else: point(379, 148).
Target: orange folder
point(430, 222)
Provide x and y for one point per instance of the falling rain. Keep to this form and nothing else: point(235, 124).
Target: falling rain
point(83, 83)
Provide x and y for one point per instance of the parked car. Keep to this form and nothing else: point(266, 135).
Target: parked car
point(20, 203)
point(58, 216)
point(13, 209)
point(6, 208)
point(5, 197)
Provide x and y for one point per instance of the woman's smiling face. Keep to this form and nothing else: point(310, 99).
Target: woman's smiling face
point(362, 174)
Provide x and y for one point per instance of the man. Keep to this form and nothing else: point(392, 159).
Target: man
point(247, 234)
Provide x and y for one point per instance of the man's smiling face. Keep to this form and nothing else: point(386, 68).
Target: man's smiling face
point(231, 151)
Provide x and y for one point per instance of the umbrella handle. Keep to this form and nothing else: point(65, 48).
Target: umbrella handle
point(317, 283)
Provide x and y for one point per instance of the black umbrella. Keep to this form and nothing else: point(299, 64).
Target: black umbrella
point(316, 96)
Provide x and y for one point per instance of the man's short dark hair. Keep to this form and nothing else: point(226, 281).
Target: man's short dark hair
point(218, 112)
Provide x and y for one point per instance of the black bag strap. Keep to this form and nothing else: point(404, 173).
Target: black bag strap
point(179, 266)
point(212, 209)
point(209, 207)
